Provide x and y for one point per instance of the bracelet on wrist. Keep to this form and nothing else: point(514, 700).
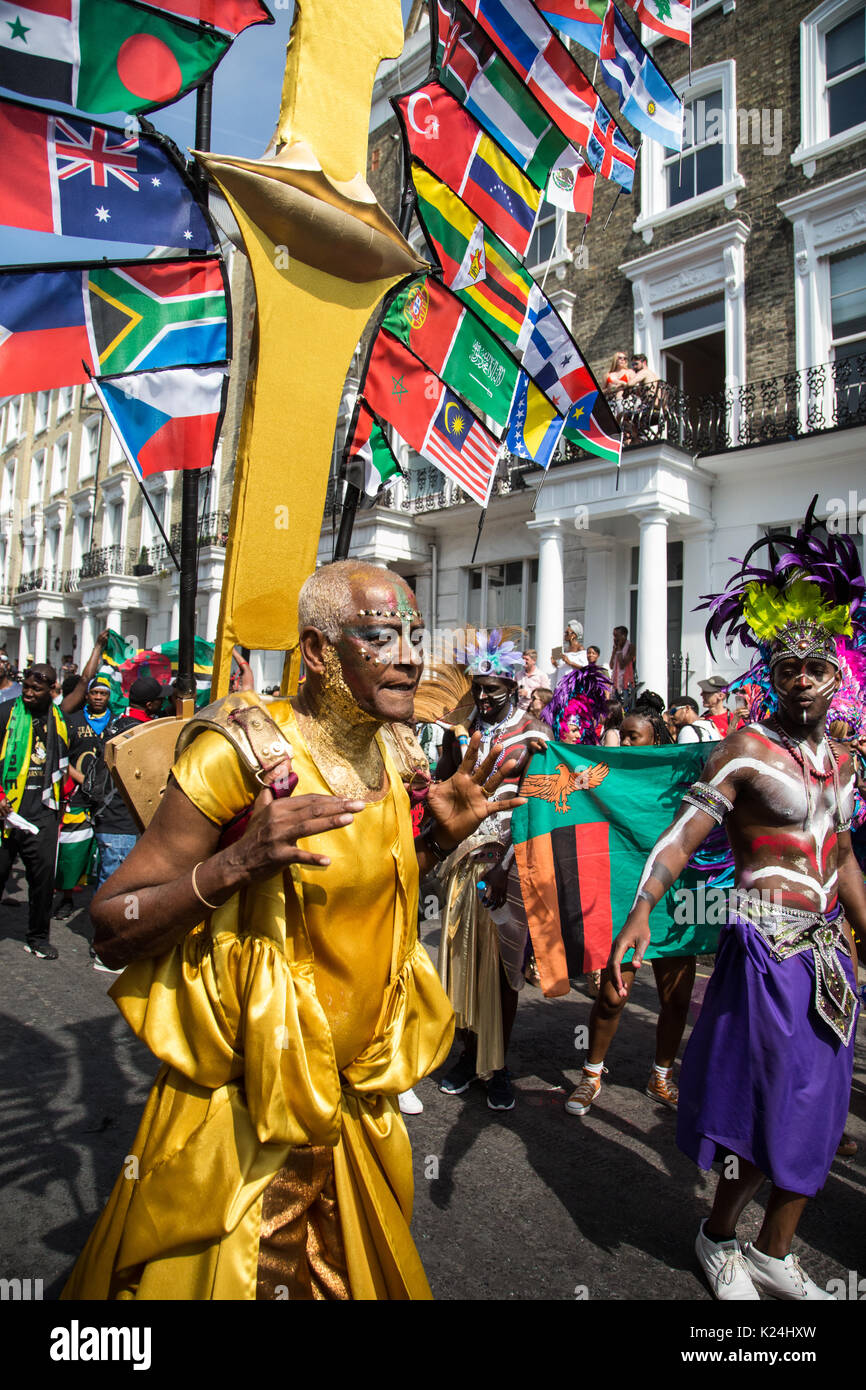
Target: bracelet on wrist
point(212, 907)
point(429, 838)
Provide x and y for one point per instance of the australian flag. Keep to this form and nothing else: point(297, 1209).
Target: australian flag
point(96, 181)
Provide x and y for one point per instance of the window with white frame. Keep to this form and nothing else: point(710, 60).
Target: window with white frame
point(707, 173)
point(65, 398)
point(7, 490)
point(848, 328)
point(89, 455)
point(37, 478)
point(60, 472)
point(41, 418)
point(549, 237)
point(689, 309)
point(829, 225)
point(13, 419)
point(832, 80)
point(504, 595)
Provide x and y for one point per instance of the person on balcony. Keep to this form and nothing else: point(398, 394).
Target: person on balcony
point(619, 381)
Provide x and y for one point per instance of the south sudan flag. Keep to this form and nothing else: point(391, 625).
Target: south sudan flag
point(581, 843)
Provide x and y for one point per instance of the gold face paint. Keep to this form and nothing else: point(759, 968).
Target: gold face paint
point(341, 735)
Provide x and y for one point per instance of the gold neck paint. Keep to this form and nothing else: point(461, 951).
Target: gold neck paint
point(341, 736)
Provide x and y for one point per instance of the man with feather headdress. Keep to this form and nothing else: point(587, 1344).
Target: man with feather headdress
point(767, 1072)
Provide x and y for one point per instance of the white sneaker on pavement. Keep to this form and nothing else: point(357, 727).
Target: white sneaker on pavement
point(725, 1268)
point(409, 1103)
point(782, 1278)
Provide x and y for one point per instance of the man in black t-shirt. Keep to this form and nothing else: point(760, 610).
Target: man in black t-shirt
point(34, 748)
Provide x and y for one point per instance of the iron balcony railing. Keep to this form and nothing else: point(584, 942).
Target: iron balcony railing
point(213, 529)
point(44, 580)
point(108, 559)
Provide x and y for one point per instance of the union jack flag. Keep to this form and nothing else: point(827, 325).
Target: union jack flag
point(95, 153)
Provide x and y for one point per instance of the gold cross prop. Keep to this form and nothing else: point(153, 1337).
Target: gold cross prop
point(323, 253)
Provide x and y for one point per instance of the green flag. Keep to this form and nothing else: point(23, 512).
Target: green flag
point(581, 843)
point(370, 462)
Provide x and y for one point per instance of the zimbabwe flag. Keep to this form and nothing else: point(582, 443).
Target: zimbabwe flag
point(581, 842)
point(476, 265)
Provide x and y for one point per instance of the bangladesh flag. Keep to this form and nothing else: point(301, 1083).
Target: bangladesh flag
point(370, 462)
point(103, 55)
point(581, 843)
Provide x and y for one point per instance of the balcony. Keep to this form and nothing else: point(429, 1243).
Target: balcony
point(109, 559)
point(213, 529)
point(797, 405)
point(48, 581)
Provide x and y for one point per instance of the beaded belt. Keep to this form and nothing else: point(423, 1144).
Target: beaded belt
point(789, 931)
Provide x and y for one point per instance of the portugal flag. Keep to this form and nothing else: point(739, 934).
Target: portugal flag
point(103, 55)
point(581, 843)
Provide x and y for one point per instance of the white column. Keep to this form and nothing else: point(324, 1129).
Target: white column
point(86, 635)
point(600, 613)
point(23, 647)
point(40, 649)
point(213, 616)
point(114, 620)
point(652, 603)
point(562, 300)
point(550, 603)
point(175, 619)
point(696, 583)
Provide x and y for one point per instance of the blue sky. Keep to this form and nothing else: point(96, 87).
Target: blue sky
point(246, 101)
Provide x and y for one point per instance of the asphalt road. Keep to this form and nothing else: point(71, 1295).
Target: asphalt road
point(534, 1204)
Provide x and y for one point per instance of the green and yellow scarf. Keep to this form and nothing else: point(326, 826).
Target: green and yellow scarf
point(16, 750)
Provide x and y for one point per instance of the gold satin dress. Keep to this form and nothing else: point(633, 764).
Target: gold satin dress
point(272, 1160)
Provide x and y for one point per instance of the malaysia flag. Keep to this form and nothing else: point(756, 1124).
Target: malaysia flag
point(462, 448)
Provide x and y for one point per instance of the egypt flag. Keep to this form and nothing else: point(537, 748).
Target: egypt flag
point(581, 842)
point(103, 55)
point(672, 18)
point(370, 462)
point(430, 418)
point(166, 421)
point(459, 151)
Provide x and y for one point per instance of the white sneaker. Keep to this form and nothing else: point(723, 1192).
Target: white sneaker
point(409, 1103)
point(783, 1278)
point(725, 1268)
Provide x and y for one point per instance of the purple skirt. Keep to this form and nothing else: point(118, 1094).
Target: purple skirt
point(763, 1076)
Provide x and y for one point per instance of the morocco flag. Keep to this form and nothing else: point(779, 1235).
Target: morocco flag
point(581, 842)
point(430, 418)
point(103, 55)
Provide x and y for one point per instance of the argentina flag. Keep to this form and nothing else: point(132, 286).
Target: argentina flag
point(646, 97)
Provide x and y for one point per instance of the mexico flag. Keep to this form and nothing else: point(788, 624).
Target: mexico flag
point(581, 842)
point(103, 55)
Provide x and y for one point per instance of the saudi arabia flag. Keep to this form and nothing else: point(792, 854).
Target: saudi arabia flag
point(581, 842)
point(369, 460)
point(103, 55)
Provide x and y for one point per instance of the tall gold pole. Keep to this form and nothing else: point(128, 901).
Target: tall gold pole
point(322, 254)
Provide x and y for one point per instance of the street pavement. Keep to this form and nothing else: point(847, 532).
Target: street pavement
point(533, 1204)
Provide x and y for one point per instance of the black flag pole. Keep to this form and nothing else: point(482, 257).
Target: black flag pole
point(188, 584)
point(478, 534)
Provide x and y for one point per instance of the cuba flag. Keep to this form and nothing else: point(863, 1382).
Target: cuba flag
point(166, 421)
point(646, 97)
point(534, 427)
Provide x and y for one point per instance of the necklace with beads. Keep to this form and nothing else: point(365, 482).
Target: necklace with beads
point(811, 774)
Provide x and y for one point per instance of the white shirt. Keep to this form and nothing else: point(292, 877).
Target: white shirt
point(699, 731)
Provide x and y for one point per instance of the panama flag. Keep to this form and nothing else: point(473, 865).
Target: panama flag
point(579, 19)
point(166, 421)
point(646, 97)
point(673, 18)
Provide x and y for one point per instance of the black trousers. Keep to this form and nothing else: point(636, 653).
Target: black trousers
point(39, 856)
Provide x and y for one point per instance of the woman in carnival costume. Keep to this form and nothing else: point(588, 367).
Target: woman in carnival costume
point(767, 1071)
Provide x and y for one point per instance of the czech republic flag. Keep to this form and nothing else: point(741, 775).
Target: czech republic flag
point(166, 420)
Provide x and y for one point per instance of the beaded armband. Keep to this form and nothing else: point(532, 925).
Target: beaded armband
point(707, 799)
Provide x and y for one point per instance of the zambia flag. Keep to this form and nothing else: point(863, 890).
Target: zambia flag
point(581, 843)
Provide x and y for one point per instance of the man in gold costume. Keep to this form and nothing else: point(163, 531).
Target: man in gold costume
point(284, 989)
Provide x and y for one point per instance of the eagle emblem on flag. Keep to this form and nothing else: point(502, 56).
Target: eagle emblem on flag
point(558, 786)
